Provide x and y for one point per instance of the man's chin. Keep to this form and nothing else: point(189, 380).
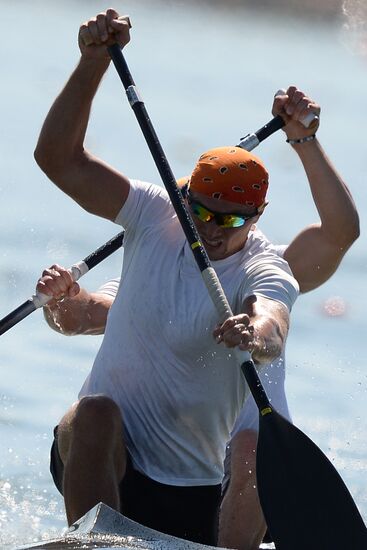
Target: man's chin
point(215, 253)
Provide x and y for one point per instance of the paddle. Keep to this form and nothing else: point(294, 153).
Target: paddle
point(302, 495)
point(77, 270)
point(287, 459)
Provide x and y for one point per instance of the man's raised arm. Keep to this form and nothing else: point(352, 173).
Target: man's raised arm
point(316, 252)
point(60, 152)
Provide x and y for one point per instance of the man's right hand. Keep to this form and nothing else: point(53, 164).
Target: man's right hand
point(101, 31)
point(57, 283)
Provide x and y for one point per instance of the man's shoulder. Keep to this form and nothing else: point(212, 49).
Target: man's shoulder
point(110, 287)
point(147, 188)
point(267, 274)
point(258, 243)
point(145, 201)
point(264, 260)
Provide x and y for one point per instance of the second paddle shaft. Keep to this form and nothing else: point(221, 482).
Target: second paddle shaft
point(77, 270)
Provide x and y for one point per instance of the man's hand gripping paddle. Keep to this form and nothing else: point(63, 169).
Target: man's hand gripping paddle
point(77, 270)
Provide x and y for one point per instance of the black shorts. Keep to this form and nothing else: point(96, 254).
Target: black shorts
point(186, 512)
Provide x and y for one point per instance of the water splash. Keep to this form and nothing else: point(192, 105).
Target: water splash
point(355, 26)
point(26, 515)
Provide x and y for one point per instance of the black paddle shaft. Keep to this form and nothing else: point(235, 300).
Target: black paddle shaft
point(256, 387)
point(268, 129)
point(104, 251)
point(250, 141)
point(17, 315)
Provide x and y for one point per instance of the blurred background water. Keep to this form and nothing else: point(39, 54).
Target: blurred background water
point(207, 73)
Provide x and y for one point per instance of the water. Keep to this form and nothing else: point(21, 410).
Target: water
point(207, 76)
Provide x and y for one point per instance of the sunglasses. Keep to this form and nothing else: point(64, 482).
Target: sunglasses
point(221, 219)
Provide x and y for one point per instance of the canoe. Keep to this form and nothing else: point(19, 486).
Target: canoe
point(104, 528)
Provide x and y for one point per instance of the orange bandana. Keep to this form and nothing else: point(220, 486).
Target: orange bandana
point(231, 174)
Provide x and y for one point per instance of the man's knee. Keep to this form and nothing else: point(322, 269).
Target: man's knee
point(97, 413)
point(94, 421)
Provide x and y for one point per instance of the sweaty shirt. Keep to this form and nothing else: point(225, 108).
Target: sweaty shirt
point(178, 391)
point(271, 375)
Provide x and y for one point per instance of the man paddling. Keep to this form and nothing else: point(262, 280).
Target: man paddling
point(148, 433)
point(289, 126)
point(313, 256)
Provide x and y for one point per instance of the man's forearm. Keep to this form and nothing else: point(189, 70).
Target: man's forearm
point(269, 327)
point(86, 313)
point(269, 340)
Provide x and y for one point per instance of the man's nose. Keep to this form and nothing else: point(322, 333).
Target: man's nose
point(212, 227)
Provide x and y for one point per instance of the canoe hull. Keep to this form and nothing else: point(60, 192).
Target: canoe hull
point(103, 527)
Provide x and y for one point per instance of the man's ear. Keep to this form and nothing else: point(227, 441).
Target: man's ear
point(261, 208)
point(183, 184)
point(185, 190)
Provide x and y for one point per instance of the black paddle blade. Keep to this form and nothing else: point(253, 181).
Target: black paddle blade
point(305, 501)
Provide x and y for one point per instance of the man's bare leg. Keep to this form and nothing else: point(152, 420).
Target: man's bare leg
point(241, 522)
point(92, 450)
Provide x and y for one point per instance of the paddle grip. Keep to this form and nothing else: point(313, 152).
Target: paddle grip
point(39, 299)
point(76, 271)
point(311, 120)
point(216, 293)
point(79, 269)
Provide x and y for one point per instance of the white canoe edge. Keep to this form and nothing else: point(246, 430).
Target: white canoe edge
point(104, 528)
